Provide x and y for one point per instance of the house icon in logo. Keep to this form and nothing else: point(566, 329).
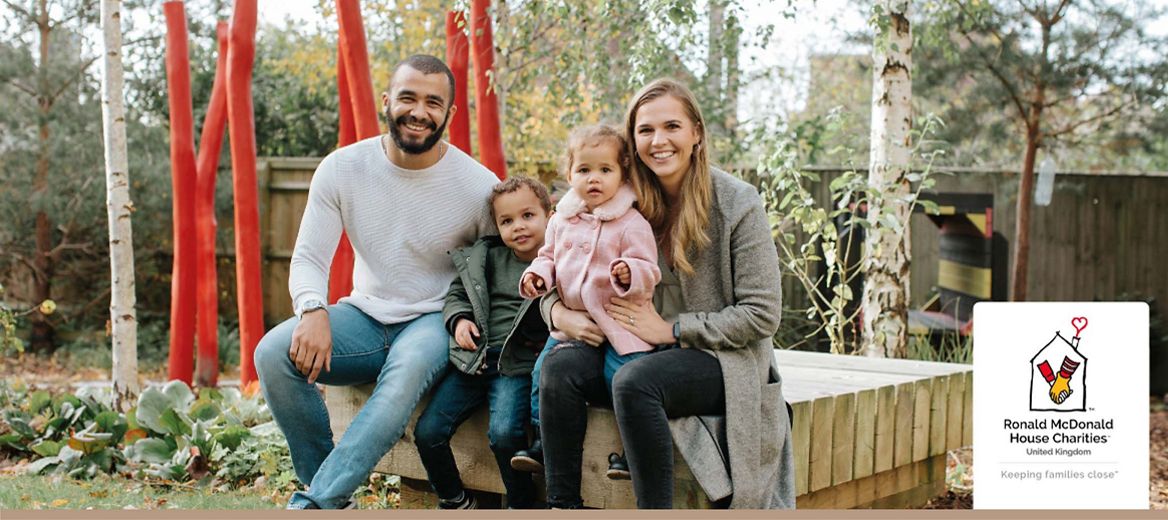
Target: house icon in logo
point(1058, 374)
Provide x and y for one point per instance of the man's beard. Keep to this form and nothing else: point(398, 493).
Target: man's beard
point(426, 144)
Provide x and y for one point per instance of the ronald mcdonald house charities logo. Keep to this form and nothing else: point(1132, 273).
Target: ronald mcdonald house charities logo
point(1060, 414)
point(1058, 374)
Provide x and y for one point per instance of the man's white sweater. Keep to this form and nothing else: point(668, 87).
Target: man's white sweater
point(400, 222)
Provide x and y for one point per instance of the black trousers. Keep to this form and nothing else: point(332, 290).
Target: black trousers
point(646, 393)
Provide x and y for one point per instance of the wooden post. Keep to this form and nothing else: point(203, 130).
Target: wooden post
point(183, 172)
point(457, 57)
point(207, 290)
point(241, 119)
point(341, 271)
point(355, 89)
point(486, 100)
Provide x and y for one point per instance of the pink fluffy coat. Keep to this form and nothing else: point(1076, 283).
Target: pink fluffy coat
point(578, 254)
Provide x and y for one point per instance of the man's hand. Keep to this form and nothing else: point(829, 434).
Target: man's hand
point(464, 333)
point(533, 285)
point(620, 271)
point(312, 344)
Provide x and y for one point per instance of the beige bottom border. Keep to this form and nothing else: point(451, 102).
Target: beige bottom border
point(398, 513)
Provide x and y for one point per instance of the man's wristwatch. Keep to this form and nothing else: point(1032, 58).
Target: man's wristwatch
point(677, 331)
point(309, 306)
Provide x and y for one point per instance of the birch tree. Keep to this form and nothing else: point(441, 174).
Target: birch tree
point(886, 269)
point(123, 317)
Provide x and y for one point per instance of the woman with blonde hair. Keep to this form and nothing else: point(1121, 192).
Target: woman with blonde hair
point(718, 394)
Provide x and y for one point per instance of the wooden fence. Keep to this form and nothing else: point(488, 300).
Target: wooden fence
point(1101, 238)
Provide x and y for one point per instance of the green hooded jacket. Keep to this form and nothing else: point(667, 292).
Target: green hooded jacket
point(469, 297)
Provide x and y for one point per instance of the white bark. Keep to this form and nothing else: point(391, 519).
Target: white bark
point(123, 317)
point(886, 270)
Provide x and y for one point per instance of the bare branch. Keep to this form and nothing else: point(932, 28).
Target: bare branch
point(1010, 88)
point(22, 87)
point(19, 10)
point(1060, 11)
point(1098, 117)
point(68, 83)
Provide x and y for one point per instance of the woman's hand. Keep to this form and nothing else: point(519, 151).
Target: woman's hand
point(642, 320)
point(576, 324)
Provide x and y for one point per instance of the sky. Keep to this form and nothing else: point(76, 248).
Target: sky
point(818, 26)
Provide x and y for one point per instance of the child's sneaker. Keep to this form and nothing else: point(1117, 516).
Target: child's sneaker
point(618, 467)
point(464, 501)
point(529, 460)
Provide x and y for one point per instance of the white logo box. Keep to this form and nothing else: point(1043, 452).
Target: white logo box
point(1060, 414)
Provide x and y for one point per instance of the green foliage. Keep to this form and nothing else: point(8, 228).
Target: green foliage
point(172, 435)
point(815, 244)
point(944, 347)
point(1089, 75)
point(9, 343)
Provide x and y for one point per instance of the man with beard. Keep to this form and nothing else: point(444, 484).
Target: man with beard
point(404, 200)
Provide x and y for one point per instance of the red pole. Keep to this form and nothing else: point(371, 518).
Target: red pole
point(486, 103)
point(356, 58)
point(358, 119)
point(207, 293)
point(241, 119)
point(341, 272)
point(183, 173)
point(457, 57)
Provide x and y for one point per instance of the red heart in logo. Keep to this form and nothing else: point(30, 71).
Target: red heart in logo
point(1079, 324)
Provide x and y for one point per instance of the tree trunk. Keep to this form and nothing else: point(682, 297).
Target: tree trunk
point(733, 37)
point(42, 335)
point(1025, 203)
point(715, 53)
point(123, 318)
point(886, 271)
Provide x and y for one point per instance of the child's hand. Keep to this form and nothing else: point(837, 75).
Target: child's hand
point(463, 333)
point(620, 271)
point(533, 284)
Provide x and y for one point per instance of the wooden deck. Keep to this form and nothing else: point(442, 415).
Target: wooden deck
point(867, 433)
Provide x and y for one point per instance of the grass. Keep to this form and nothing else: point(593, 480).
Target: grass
point(104, 492)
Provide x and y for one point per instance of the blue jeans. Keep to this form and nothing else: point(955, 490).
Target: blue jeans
point(612, 362)
point(404, 359)
point(455, 399)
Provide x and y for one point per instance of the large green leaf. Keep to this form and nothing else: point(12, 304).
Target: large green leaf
point(172, 423)
point(112, 423)
point(155, 451)
point(179, 393)
point(38, 400)
point(12, 440)
point(41, 465)
point(232, 436)
point(204, 410)
point(19, 424)
point(46, 448)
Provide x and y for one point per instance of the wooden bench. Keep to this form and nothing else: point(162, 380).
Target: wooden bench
point(867, 433)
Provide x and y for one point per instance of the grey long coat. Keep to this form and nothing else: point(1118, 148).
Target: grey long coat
point(734, 304)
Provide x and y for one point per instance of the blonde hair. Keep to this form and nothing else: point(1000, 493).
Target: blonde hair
point(686, 225)
point(592, 135)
